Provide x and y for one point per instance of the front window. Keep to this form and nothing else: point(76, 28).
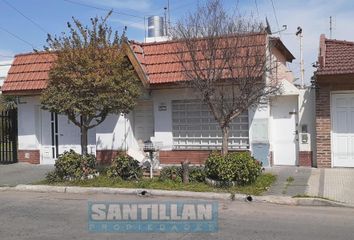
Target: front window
point(194, 127)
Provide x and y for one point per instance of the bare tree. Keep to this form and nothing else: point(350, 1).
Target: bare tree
point(226, 61)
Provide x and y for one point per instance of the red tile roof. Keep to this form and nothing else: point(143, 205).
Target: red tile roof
point(158, 62)
point(162, 65)
point(28, 73)
point(335, 57)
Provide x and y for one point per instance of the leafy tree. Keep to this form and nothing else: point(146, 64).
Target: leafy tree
point(225, 62)
point(91, 77)
point(7, 102)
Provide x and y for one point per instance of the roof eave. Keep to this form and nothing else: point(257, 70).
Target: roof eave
point(136, 64)
point(283, 49)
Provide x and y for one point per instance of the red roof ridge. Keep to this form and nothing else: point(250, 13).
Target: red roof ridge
point(181, 40)
point(335, 57)
point(33, 53)
point(339, 41)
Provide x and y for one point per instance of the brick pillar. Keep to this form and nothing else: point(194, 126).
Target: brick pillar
point(28, 156)
point(323, 127)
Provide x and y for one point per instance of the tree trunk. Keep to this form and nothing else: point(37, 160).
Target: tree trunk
point(84, 131)
point(185, 171)
point(225, 140)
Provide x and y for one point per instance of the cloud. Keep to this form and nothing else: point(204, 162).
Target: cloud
point(130, 24)
point(136, 5)
point(6, 55)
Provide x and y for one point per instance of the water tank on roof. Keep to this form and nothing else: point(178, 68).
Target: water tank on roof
point(156, 26)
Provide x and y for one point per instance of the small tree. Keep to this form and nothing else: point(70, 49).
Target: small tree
point(225, 61)
point(91, 76)
point(7, 102)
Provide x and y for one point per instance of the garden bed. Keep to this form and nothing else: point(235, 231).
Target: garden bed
point(261, 185)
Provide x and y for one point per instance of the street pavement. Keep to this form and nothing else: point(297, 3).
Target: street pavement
point(22, 173)
point(43, 216)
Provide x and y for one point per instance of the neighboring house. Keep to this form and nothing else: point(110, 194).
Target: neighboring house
point(4, 68)
point(334, 80)
point(167, 113)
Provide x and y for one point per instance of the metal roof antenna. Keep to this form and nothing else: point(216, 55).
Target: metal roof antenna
point(166, 28)
point(330, 27)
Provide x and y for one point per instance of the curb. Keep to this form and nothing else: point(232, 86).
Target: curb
point(281, 200)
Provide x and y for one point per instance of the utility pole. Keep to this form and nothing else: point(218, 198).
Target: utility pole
point(302, 70)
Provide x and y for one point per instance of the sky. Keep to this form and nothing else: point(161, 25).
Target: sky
point(24, 24)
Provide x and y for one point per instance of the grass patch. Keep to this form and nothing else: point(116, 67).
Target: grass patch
point(289, 180)
point(261, 185)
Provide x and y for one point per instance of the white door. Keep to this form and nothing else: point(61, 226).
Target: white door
point(284, 135)
point(49, 136)
point(143, 121)
point(343, 130)
point(69, 135)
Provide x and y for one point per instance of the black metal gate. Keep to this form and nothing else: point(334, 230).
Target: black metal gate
point(8, 136)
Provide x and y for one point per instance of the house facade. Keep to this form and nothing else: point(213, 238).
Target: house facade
point(167, 113)
point(334, 80)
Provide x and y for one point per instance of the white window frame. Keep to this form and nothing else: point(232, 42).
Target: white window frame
point(194, 128)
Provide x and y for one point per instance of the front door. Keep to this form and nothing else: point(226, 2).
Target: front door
point(69, 135)
point(49, 136)
point(343, 130)
point(143, 121)
point(284, 134)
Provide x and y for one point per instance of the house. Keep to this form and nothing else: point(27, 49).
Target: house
point(167, 113)
point(334, 81)
point(4, 68)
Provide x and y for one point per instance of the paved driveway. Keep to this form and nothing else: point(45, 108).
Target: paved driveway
point(291, 180)
point(332, 183)
point(22, 173)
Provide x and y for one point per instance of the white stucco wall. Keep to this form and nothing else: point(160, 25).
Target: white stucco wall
point(307, 117)
point(28, 124)
point(115, 133)
point(163, 118)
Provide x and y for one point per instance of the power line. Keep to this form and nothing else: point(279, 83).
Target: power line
point(275, 15)
point(6, 56)
point(23, 15)
point(103, 9)
point(17, 37)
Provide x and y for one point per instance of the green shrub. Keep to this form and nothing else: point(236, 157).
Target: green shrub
point(238, 167)
point(171, 173)
point(72, 166)
point(213, 165)
point(125, 167)
point(196, 174)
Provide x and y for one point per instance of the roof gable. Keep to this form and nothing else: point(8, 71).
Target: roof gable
point(28, 72)
point(335, 57)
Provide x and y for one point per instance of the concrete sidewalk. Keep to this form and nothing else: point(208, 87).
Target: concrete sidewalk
point(332, 183)
point(291, 181)
point(22, 173)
